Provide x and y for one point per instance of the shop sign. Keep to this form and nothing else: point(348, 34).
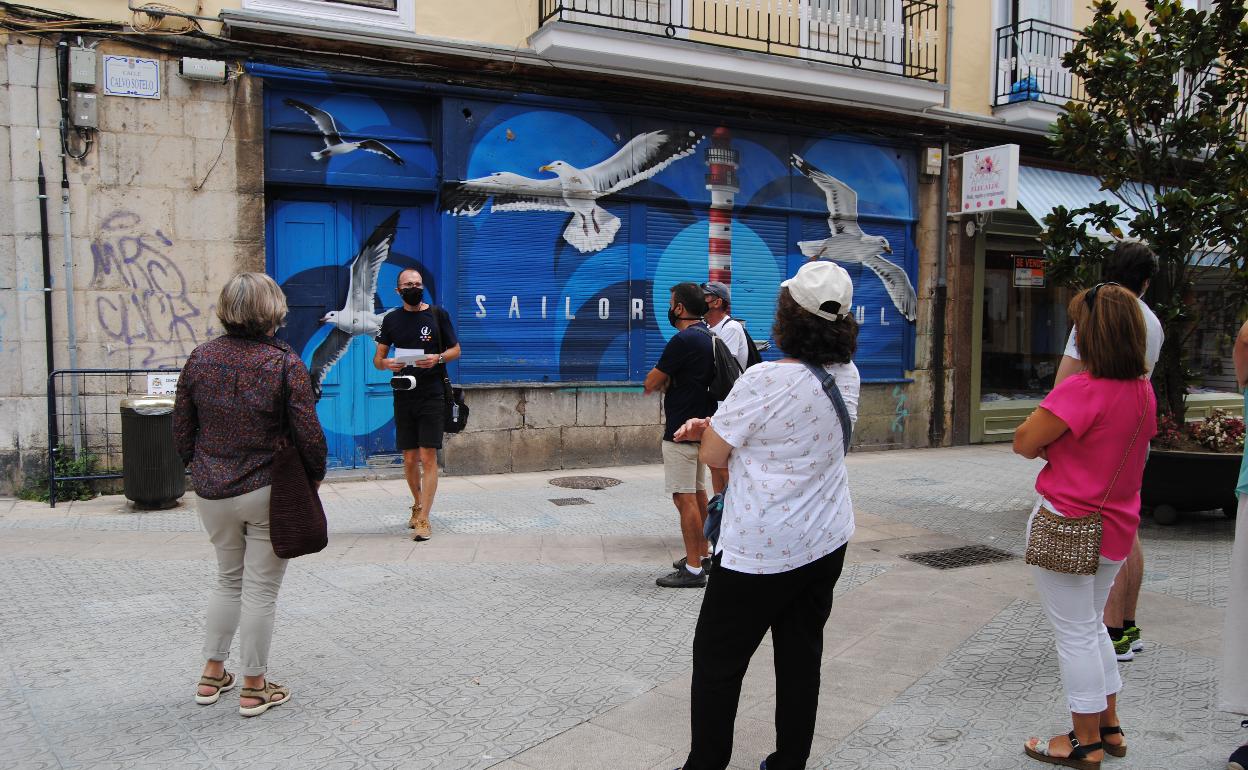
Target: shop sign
point(131, 76)
point(1028, 272)
point(162, 384)
point(990, 179)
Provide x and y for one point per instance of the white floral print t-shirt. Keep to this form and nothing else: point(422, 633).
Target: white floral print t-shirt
point(787, 502)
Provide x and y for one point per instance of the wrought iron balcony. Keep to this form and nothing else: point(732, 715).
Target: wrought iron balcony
point(1029, 64)
point(899, 37)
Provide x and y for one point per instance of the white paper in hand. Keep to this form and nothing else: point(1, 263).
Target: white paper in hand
point(408, 356)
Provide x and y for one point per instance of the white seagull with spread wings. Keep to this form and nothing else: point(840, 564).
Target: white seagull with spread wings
point(847, 242)
point(357, 315)
point(334, 143)
point(574, 190)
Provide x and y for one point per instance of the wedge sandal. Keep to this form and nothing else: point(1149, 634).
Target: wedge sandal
point(1078, 758)
point(270, 695)
point(1119, 750)
point(224, 682)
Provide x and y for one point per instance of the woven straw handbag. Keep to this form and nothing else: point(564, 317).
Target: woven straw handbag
point(1071, 545)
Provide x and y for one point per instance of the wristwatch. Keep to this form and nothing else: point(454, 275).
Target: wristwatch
point(441, 359)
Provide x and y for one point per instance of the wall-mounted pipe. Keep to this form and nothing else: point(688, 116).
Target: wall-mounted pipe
point(67, 244)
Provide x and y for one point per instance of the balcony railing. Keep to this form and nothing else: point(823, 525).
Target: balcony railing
point(1029, 64)
point(900, 37)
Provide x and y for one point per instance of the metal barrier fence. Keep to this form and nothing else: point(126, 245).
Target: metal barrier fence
point(901, 37)
point(84, 419)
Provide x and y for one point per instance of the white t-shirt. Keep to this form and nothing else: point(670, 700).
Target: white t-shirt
point(733, 335)
point(787, 502)
point(1152, 343)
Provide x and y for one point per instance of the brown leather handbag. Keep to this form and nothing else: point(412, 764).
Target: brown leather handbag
point(297, 524)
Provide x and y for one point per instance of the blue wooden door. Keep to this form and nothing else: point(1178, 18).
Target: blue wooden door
point(313, 237)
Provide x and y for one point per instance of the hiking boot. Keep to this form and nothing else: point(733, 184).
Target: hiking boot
point(1133, 633)
point(682, 561)
point(1122, 648)
point(682, 578)
point(420, 527)
point(411, 522)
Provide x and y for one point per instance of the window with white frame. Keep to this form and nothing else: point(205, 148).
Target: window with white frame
point(384, 14)
point(1029, 54)
point(869, 34)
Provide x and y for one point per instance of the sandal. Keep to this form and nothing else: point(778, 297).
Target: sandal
point(270, 695)
point(1078, 755)
point(1114, 750)
point(224, 682)
point(411, 522)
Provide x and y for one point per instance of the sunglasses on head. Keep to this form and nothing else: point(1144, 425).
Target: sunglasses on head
point(1090, 297)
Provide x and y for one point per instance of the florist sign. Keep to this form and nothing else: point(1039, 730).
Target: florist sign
point(990, 179)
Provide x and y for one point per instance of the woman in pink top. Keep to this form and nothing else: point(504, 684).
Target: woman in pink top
point(1093, 430)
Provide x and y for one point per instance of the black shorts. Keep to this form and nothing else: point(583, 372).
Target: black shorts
point(419, 423)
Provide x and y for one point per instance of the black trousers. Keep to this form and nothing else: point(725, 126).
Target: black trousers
point(737, 610)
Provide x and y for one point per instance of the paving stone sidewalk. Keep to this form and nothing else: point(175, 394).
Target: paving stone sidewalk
point(529, 634)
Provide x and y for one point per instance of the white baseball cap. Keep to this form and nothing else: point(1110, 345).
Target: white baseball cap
point(819, 283)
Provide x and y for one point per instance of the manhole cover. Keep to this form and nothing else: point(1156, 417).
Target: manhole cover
point(569, 501)
point(966, 556)
point(585, 482)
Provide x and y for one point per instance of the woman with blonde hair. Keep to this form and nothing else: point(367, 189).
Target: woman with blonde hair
point(236, 395)
point(1093, 429)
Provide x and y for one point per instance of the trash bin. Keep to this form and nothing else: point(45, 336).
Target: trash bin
point(152, 473)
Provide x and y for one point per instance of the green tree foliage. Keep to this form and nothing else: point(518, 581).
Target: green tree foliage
point(1162, 126)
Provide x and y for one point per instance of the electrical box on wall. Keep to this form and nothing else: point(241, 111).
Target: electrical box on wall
point(202, 69)
point(82, 67)
point(932, 160)
point(84, 110)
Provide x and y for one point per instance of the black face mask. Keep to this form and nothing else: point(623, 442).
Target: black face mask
point(412, 296)
point(672, 318)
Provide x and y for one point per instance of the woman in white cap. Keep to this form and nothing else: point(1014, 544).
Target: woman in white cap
point(783, 433)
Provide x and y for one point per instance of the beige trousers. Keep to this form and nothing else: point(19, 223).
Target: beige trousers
point(249, 575)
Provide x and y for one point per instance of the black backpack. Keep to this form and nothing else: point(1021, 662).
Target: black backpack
point(727, 370)
point(752, 356)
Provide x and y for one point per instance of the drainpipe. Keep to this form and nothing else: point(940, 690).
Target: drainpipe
point(936, 429)
point(68, 248)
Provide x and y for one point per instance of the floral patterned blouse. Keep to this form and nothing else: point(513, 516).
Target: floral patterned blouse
point(227, 416)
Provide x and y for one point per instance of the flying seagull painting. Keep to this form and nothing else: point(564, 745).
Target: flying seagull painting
point(847, 243)
point(573, 190)
point(334, 143)
point(358, 314)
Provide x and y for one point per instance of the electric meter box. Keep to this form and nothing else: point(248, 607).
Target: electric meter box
point(82, 67)
point(84, 109)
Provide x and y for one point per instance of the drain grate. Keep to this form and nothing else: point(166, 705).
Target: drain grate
point(965, 556)
point(585, 482)
point(569, 501)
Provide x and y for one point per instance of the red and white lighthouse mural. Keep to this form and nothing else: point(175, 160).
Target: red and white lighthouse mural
point(721, 180)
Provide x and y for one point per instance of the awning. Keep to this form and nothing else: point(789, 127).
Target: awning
point(1040, 190)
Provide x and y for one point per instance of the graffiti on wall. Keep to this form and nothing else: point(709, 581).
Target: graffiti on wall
point(142, 297)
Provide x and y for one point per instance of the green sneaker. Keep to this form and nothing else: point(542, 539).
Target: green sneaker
point(1122, 648)
point(1133, 633)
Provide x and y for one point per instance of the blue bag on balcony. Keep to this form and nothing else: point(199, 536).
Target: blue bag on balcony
point(1025, 90)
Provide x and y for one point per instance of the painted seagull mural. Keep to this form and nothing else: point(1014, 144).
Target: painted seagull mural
point(357, 315)
point(334, 143)
point(848, 243)
point(574, 190)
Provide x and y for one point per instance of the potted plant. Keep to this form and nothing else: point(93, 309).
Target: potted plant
point(1209, 451)
point(1162, 127)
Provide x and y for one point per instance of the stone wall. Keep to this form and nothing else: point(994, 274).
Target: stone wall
point(541, 428)
point(167, 203)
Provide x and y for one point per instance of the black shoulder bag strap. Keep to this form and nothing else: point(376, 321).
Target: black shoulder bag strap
point(828, 382)
point(436, 311)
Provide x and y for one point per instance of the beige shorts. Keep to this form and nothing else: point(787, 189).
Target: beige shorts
point(683, 473)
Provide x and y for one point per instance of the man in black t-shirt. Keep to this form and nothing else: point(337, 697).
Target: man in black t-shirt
point(683, 374)
point(419, 413)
